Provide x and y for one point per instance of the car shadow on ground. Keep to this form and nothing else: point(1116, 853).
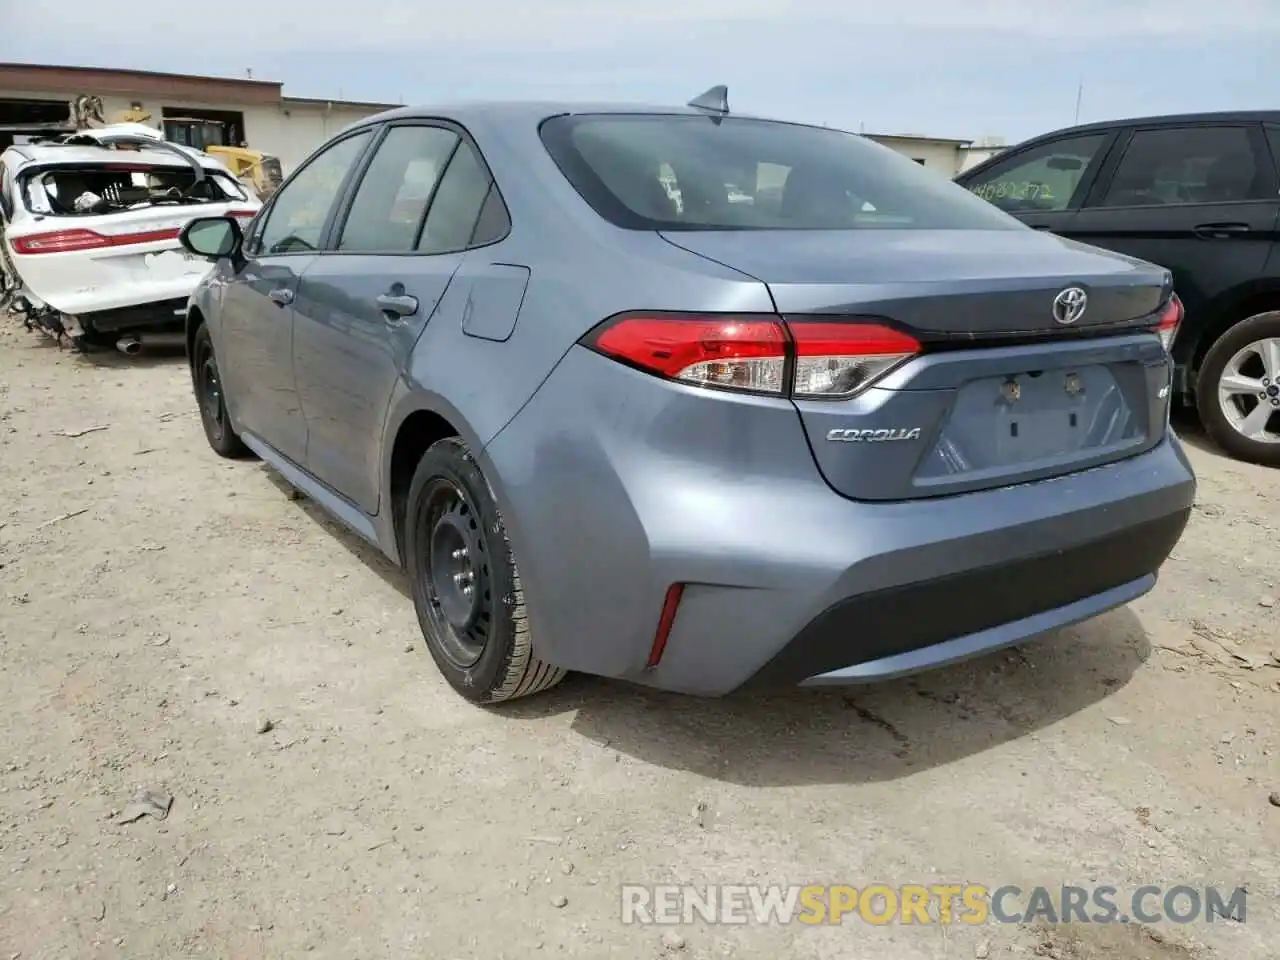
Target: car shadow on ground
point(367, 554)
point(870, 733)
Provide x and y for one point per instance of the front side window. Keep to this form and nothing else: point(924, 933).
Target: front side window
point(1185, 165)
point(1041, 179)
point(388, 206)
point(692, 172)
point(299, 208)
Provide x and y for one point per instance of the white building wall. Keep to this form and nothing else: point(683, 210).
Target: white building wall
point(939, 156)
point(293, 130)
point(289, 131)
point(976, 155)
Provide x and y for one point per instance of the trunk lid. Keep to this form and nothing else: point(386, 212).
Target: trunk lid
point(952, 284)
point(1003, 392)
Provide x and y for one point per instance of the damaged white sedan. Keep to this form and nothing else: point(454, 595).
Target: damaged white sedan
point(90, 224)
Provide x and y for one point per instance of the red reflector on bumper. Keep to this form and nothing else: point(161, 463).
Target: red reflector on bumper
point(669, 606)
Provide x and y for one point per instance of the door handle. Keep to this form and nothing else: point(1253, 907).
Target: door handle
point(1219, 231)
point(397, 307)
point(1039, 226)
point(282, 296)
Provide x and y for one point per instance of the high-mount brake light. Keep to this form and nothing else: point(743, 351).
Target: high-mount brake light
point(1170, 319)
point(818, 359)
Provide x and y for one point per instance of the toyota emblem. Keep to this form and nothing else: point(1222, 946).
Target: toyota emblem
point(1070, 305)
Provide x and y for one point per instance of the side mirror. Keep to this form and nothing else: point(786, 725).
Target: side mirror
point(212, 237)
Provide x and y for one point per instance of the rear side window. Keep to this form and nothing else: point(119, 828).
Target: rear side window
point(388, 206)
point(494, 221)
point(1187, 165)
point(457, 203)
point(1041, 179)
point(690, 172)
point(1273, 141)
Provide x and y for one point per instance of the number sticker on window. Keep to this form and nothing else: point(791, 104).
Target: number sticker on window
point(1014, 190)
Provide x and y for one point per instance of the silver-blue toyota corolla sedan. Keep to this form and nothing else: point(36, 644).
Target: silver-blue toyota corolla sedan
point(692, 399)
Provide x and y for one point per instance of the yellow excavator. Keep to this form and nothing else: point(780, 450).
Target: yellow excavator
point(258, 171)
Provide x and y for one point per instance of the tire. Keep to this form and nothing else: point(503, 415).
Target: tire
point(455, 539)
point(211, 400)
point(1250, 350)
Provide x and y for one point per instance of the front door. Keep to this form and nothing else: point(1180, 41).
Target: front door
point(255, 345)
point(259, 311)
point(365, 302)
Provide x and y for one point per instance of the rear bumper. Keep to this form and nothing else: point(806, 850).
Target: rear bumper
point(64, 283)
point(786, 582)
point(968, 575)
point(162, 314)
point(925, 624)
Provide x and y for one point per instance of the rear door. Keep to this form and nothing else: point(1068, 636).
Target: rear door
point(366, 300)
point(1199, 199)
point(255, 347)
point(1043, 184)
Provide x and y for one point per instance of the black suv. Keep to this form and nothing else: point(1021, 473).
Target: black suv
point(1200, 195)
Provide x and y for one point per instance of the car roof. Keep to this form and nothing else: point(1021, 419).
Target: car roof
point(20, 155)
point(1170, 120)
point(531, 111)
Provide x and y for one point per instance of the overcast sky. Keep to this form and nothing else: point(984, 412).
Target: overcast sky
point(958, 68)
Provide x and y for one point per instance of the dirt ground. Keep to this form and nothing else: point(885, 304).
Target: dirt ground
point(158, 603)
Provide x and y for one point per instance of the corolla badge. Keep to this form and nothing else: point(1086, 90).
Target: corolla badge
point(1070, 305)
point(849, 435)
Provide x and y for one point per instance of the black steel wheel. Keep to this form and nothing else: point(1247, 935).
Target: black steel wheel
point(466, 588)
point(211, 398)
point(456, 575)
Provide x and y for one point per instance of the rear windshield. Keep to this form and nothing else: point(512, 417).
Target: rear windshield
point(689, 172)
point(91, 190)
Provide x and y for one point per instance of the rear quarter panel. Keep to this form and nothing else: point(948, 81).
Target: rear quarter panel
point(581, 270)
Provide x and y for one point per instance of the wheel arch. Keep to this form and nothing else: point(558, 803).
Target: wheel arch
point(195, 320)
point(416, 421)
point(1245, 301)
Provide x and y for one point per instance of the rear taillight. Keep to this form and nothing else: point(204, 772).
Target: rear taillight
point(1167, 325)
point(244, 215)
point(836, 360)
point(70, 241)
point(811, 359)
point(736, 353)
